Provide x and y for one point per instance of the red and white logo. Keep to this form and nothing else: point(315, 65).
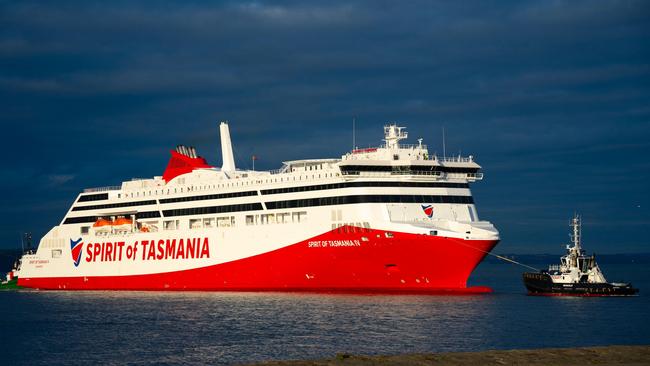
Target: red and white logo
point(428, 210)
point(75, 251)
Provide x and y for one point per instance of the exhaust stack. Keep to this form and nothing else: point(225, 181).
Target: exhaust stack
point(226, 148)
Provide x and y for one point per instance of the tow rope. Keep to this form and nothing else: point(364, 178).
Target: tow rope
point(498, 256)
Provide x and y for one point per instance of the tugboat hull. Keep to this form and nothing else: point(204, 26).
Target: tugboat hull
point(541, 284)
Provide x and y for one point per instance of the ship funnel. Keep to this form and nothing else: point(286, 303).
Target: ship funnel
point(226, 148)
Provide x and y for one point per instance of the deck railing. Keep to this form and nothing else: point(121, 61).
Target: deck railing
point(474, 176)
point(456, 159)
point(284, 169)
point(102, 189)
point(387, 174)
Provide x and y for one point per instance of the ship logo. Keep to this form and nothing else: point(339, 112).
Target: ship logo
point(428, 210)
point(75, 250)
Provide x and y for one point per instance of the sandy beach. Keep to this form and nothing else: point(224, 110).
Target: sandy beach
point(604, 356)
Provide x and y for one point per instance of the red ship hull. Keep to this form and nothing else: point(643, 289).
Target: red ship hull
point(382, 263)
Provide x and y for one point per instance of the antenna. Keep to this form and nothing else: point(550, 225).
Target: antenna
point(444, 148)
point(354, 142)
point(28, 239)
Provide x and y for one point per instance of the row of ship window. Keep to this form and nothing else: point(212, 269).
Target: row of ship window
point(229, 221)
point(272, 191)
point(216, 222)
point(279, 218)
point(309, 202)
point(346, 200)
point(347, 169)
point(406, 168)
point(364, 184)
point(183, 189)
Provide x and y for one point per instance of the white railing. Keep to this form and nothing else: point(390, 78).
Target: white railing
point(102, 189)
point(412, 146)
point(439, 174)
point(282, 170)
point(400, 146)
point(456, 159)
point(387, 174)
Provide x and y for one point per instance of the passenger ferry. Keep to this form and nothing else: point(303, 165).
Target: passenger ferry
point(394, 218)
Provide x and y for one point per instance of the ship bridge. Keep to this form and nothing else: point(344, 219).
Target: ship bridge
point(395, 159)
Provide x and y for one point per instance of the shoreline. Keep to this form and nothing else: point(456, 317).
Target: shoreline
point(604, 356)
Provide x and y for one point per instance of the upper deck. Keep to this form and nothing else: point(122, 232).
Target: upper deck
point(391, 160)
point(392, 168)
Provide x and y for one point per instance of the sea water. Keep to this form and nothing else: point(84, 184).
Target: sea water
point(147, 328)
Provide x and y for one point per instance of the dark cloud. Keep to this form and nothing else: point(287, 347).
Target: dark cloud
point(551, 96)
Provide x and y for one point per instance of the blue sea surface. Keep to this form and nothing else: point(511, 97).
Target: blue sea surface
point(147, 328)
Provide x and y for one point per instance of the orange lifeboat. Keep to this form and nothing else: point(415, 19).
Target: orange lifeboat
point(101, 222)
point(102, 226)
point(122, 221)
point(123, 224)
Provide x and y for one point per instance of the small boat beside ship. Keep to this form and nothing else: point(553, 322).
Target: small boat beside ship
point(10, 282)
point(577, 274)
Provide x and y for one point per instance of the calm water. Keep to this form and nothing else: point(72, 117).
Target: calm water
point(52, 328)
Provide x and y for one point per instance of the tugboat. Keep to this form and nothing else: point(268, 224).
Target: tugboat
point(10, 281)
point(577, 274)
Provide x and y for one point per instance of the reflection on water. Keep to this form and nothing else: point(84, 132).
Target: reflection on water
point(225, 328)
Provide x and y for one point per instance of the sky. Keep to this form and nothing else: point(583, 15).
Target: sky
point(551, 97)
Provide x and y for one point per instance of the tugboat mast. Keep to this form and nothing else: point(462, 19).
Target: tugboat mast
point(577, 233)
point(573, 253)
